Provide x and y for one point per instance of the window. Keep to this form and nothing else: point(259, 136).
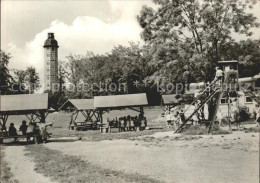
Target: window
point(223, 101)
point(48, 70)
point(48, 63)
point(257, 83)
point(249, 99)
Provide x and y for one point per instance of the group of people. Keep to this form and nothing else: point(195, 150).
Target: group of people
point(128, 123)
point(29, 130)
point(174, 117)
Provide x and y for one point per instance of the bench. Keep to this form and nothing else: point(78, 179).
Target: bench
point(85, 126)
point(35, 137)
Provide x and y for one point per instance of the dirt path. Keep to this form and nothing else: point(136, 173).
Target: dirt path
point(170, 164)
point(22, 167)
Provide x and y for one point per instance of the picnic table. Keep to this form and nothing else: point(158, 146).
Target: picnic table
point(86, 125)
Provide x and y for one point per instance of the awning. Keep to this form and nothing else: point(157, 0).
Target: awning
point(78, 104)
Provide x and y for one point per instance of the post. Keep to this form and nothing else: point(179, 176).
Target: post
point(142, 111)
point(229, 123)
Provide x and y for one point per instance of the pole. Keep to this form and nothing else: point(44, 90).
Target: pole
point(229, 123)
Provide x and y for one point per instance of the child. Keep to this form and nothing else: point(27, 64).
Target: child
point(128, 123)
point(132, 123)
point(219, 75)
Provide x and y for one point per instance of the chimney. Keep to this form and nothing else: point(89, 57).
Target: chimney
point(51, 35)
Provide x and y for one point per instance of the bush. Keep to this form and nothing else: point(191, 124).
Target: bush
point(242, 114)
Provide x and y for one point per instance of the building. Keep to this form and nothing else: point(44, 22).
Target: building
point(50, 63)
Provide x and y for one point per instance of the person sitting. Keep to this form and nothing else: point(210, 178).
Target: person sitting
point(30, 131)
point(23, 127)
point(12, 131)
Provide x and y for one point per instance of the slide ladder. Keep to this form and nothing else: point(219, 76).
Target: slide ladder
point(185, 122)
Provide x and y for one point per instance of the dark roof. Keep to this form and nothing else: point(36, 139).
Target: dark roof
point(24, 102)
point(51, 42)
point(78, 104)
point(120, 101)
point(171, 99)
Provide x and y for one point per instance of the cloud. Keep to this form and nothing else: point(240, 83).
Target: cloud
point(84, 34)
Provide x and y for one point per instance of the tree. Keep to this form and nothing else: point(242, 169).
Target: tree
point(5, 77)
point(247, 52)
point(32, 78)
point(186, 37)
point(19, 78)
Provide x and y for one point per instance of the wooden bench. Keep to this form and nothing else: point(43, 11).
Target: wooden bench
point(85, 126)
point(35, 137)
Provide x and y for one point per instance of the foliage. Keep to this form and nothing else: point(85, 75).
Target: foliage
point(56, 99)
point(186, 37)
point(25, 81)
point(247, 52)
point(5, 77)
point(242, 114)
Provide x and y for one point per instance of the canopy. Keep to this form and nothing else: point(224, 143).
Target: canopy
point(121, 101)
point(24, 102)
point(171, 99)
point(78, 104)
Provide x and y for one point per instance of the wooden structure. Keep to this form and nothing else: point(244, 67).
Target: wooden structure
point(134, 102)
point(215, 93)
point(34, 106)
point(86, 108)
point(130, 101)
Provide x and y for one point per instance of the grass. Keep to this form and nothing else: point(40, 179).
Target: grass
point(6, 175)
point(195, 130)
point(70, 169)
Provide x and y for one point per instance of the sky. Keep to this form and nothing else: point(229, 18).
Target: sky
point(79, 26)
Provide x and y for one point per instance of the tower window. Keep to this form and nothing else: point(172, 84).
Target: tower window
point(249, 99)
point(48, 63)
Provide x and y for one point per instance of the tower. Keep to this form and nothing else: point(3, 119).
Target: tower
point(50, 63)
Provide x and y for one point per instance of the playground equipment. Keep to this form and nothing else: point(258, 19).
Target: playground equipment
point(214, 93)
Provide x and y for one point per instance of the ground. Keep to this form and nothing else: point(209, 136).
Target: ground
point(156, 155)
